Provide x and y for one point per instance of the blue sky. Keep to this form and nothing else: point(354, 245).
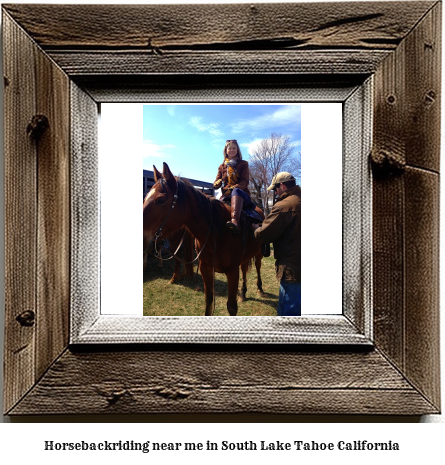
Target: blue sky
point(191, 138)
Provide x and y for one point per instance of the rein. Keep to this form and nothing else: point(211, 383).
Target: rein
point(176, 251)
point(158, 234)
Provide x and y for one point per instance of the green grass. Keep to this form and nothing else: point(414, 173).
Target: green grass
point(182, 299)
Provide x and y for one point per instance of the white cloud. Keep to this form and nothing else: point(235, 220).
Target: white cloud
point(287, 114)
point(211, 128)
point(251, 146)
point(149, 149)
point(171, 110)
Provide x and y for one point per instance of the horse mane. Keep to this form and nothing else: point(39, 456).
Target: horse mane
point(208, 207)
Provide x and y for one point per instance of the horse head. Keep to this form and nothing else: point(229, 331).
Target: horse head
point(159, 216)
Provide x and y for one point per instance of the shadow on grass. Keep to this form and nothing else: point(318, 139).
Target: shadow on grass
point(156, 288)
point(270, 302)
point(153, 272)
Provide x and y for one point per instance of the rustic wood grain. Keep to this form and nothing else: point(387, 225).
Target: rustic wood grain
point(397, 42)
point(406, 208)
point(89, 327)
point(341, 25)
point(118, 62)
point(423, 47)
point(388, 204)
point(221, 382)
point(85, 211)
point(357, 209)
point(407, 116)
point(423, 91)
point(20, 212)
point(216, 88)
point(388, 268)
point(53, 224)
point(422, 284)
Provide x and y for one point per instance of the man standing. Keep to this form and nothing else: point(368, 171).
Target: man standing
point(283, 227)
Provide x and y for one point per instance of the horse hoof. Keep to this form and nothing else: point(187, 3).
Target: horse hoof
point(241, 298)
point(261, 294)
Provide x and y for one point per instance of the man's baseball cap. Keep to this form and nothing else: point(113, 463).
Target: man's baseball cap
point(279, 178)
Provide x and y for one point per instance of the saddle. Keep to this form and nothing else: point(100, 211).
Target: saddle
point(248, 217)
point(246, 229)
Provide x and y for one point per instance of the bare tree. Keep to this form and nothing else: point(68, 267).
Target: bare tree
point(272, 155)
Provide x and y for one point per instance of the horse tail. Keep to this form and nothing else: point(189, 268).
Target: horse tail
point(188, 245)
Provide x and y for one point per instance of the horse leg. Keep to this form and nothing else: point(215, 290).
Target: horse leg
point(232, 288)
point(176, 273)
point(207, 277)
point(160, 263)
point(243, 290)
point(182, 274)
point(147, 245)
point(189, 242)
point(259, 282)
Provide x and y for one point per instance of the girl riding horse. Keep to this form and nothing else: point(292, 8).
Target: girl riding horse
point(233, 177)
point(173, 203)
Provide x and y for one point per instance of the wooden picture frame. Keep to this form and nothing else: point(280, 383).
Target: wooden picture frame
point(56, 72)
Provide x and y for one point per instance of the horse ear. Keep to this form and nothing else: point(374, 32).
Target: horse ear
point(157, 174)
point(168, 176)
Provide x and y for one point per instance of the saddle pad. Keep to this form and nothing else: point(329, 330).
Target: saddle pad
point(253, 216)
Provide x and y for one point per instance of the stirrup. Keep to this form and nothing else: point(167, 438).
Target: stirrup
point(232, 227)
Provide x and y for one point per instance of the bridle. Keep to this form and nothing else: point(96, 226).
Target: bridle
point(158, 234)
point(166, 244)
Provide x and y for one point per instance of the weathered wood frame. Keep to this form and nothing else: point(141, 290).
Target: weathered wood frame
point(78, 56)
point(90, 323)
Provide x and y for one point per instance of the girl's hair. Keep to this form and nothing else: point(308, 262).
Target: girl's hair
point(233, 141)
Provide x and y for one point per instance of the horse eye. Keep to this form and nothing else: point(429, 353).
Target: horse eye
point(160, 201)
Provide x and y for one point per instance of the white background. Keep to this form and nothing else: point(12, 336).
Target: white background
point(120, 158)
point(120, 168)
point(22, 442)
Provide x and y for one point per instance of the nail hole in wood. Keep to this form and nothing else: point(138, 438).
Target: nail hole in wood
point(26, 318)
point(37, 126)
point(430, 97)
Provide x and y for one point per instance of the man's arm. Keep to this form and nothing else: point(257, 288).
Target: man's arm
point(272, 227)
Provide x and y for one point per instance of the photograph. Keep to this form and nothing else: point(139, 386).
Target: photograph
point(190, 142)
point(223, 198)
point(244, 315)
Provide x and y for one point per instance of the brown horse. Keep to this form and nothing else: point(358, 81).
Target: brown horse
point(173, 203)
point(182, 238)
point(259, 283)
